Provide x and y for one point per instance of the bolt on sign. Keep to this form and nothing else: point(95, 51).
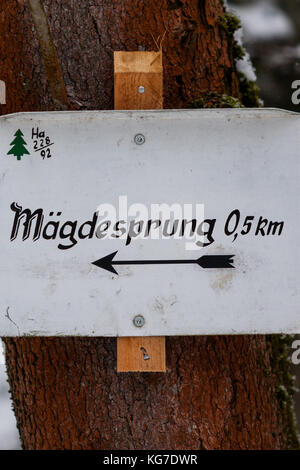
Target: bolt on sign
point(149, 223)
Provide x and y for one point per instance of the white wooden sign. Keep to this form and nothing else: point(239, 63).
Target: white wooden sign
point(149, 223)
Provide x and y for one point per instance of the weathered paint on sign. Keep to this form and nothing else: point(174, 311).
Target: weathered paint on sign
point(61, 276)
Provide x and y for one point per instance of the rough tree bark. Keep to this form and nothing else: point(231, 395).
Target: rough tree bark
point(219, 392)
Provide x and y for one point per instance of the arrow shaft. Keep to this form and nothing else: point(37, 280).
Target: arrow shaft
point(155, 261)
point(208, 261)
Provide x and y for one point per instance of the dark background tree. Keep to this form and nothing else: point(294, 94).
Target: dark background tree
point(219, 392)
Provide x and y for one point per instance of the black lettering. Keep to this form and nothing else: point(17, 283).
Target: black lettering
point(118, 229)
point(69, 234)
point(51, 236)
point(156, 223)
point(261, 226)
point(236, 214)
point(206, 233)
point(91, 224)
point(273, 226)
point(100, 232)
point(184, 223)
point(29, 217)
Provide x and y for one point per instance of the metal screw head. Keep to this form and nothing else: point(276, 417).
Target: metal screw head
point(139, 321)
point(141, 89)
point(139, 139)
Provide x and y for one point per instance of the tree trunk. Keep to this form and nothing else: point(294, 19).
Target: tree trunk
point(219, 392)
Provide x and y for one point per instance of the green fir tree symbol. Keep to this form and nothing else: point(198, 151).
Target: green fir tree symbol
point(18, 148)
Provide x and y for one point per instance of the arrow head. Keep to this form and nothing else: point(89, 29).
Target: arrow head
point(106, 263)
point(217, 261)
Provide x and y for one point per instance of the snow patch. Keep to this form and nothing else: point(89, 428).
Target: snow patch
point(2, 358)
point(244, 65)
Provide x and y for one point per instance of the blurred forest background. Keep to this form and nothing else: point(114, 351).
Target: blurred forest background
point(271, 34)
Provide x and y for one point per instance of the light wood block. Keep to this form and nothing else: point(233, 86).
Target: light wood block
point(136, 69)
point(141, 354)
point(131, 71)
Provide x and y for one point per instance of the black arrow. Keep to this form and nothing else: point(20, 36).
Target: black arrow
point(208, 261)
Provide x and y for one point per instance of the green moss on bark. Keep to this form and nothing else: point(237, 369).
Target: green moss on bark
point(249, 89)
point(230, 23)
point(215, 100)
point(284, 389)
point(249, 92)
